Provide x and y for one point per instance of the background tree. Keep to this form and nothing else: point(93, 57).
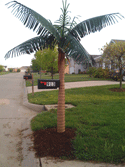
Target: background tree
point(50, 60)
point(29, 70)
point(1, 68)
point(114, 53)
point(11, 70)
point(66, 34)
point(47, 59)
point(39, 60)
point(35, 66)
point(18, 70)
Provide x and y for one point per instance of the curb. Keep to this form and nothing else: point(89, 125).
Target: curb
point(29, 159)
point(34, 107)
point(54, 106)
point(39, 108)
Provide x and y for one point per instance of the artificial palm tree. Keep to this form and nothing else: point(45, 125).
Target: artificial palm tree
point(66, 34)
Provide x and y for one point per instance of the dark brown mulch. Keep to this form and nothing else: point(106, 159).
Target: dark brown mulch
point(117, 90)
point(49, 143)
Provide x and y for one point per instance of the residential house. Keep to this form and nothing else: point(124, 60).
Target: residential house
point(67, 69)
point(111, 65)
point(5, 68)
point(13, 69)
point(25, 68)
point(76, 68)
point(116, 40)
point(99, 61)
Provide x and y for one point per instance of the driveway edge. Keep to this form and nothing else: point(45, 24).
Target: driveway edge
point(29, 159)
point(34, 107)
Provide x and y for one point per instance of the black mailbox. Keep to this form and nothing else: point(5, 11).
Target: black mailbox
point(26, 73)
point(27, 77)
point(48, 83)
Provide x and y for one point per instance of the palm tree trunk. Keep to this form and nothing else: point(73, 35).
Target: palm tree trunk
point(61, 95)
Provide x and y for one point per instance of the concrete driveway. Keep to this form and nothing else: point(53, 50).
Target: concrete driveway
point(14, 120)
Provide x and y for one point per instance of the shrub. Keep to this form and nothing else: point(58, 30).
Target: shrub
point(99, 72)
point(1, 68)
point(18, 70)
point(10, 70)
point(28, 70)
point(91, 71)
point(106, 73)
point(82, 72)
point(79, 71)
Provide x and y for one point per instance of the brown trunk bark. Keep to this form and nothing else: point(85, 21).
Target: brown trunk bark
point(61, 95)
point(120, 66)
point(40, 72)
point(32, 86)
point(52, 72)
point(121, 78)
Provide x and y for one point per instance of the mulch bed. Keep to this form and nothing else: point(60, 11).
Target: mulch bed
point(117, 90)
point(49, 143)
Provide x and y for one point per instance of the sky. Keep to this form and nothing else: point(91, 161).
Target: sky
point(13, 32)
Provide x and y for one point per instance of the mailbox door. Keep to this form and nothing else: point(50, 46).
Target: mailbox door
point(27, 76)
point(48, 84)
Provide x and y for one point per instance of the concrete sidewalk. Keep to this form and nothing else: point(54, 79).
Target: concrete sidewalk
point(15, 124)
point(46, 162)
point(69, 85)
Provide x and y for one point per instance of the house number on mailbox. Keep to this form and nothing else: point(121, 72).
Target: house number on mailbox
point(48, 84)
point(51, 84)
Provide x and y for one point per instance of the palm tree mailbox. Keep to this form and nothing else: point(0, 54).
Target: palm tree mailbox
point(66, 34)
point(27, 77)
point(48, 83)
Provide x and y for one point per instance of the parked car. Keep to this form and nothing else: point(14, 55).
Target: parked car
point(115, 75)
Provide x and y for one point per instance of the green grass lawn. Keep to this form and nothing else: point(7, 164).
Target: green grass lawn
point(98, 116)
point(3, 73)
point(68, 78)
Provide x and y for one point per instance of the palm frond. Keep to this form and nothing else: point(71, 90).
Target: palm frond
point(64, 20)
point(30, 46)
point(94, 24)
point(74, 49)
point(32, 19)
point(73, 23)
